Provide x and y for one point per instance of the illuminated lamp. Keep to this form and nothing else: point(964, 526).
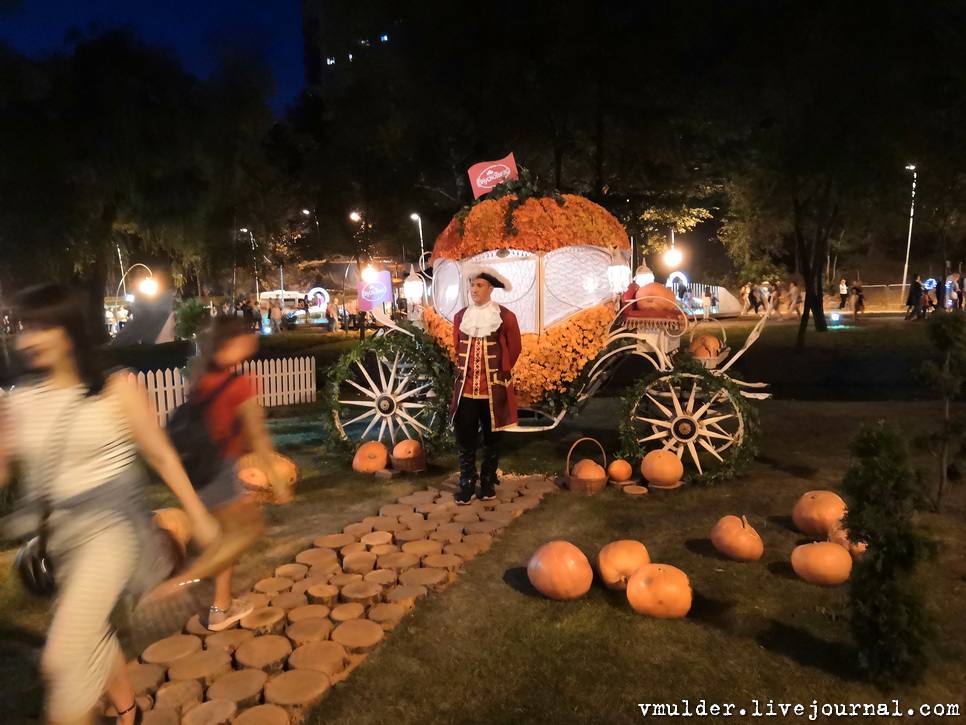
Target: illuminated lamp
point(148, 286)
point(413, 287)
point(643, 276)
point(369, 274)
point(619, 276)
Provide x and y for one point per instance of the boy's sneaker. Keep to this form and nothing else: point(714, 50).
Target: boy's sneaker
point(465, 495)
point(487, 492)
point(219, 619)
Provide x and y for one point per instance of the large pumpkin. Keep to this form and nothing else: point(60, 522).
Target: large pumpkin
point(659, 590)
point(736, 539)
point(822, 562)
point(560, 570)
point(617, 561)
point(817, 511)
point(662, 468)
point(175, 522)
point(839, 535)
point(656, 298)
point(588, 469)
point(370, 457)
point(705, 347)
point(407, 449)
point(619, 470)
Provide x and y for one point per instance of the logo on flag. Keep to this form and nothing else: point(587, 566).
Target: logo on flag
point(484, 176)
point(372, 294)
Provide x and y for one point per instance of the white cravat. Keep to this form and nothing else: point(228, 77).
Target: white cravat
point(481, 320)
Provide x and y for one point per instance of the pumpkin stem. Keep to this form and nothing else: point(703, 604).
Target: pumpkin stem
point(744, 521)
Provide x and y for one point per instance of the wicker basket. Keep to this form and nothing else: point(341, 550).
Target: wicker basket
point(586, 486)
point(250, 460)
point(410, 465)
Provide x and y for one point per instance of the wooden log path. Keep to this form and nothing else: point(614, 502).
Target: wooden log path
point(317, 618)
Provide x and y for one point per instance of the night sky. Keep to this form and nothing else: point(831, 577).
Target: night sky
point(195, 29)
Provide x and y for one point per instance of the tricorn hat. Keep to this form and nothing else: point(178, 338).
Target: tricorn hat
point(489, 274)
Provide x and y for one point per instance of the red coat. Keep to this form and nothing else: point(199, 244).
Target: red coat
point(503, 347)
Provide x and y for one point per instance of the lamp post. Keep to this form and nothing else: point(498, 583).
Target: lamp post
point(148, 286)
point(245, 230)
point(672, 257)
point(419, 223)
point(358, 219)
point(912, 212)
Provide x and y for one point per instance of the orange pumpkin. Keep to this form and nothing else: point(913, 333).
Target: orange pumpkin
point(656, 298)
point(659, 590)
point(619, 470)
point(407, 449)
point(839, 535)
point(254, 477)
point(370, 457)
point(559, 570)
point(705, 347)
point(817, 511)
point(617, 561)
point(662, 467)
point(588, 469)
point(736, 539)
point(175, 522)
point(822, 562)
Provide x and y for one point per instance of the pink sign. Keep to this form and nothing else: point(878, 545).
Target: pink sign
point(372, 294)
point(484, 176)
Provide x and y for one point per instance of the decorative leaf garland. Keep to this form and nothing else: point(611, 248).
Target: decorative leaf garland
point(734, 456)
point(428, 361)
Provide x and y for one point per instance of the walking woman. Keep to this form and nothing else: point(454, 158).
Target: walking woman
point(237, 422)
point(75, 433)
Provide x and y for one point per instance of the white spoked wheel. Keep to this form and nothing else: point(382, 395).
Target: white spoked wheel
point(382, 399)
point(681, 414)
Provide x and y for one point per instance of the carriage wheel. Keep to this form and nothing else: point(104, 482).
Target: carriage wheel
point(383, 398)
point(683, 415)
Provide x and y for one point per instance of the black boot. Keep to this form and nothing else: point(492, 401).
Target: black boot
point(488, 478)
point(468, 478)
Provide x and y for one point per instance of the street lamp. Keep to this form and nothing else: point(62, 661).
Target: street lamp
point(147, 286)
point(672, 257)
point(419, 222)
point(246, 230)
point(912, 212)
point(413, 288)
point(369, 274)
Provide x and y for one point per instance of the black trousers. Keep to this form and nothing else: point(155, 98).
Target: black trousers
point(472, 416)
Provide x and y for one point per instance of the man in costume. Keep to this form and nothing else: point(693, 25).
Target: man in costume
point(487, 339)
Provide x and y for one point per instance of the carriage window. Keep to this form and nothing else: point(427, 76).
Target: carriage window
point(575, 278)
point(446, 288)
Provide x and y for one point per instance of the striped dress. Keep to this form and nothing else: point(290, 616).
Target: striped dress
point(67, 443)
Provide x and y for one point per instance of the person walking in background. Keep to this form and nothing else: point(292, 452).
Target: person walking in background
point(237, 422)
point(275, 315)
point(753, 298)
point(75, 432)
point(794, 300)
point(330, 317)
point(914, 300)
point(706, 303)
point(843, 294)
point(859, 306)
point(745, 301)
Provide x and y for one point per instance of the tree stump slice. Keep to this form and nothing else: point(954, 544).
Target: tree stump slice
point(382, 577)
point(358, 635)
point(328, 657)
point(466, 518)
point(414, 499)
point(263, 715)
point(364, 593)
point(327, 594)
point(512, 508)
point(413, 519)
point(341, 580)
point(179, 696)
point(243, 687)
point(400, 561)
point(463, 550)
point(485, 527)
point(635, 491)
point(428, 577)
point(295, 572)
point(324, 571)
point(167, 650)
point(386, 615)
point(303, 586)
point(384, 549)
point(333, 541)
point(448, 533)
point(309, 611)
point(361, 563)
point(195, 627)
point(289, 600)
point(213, 712)
point(267, 653)
point(448, 497)
point(544, 486)
point(371, 521)
point(490, 504)
point(505, 518)
point(145, 678)
point(389, 525)
point(424, 509)
point(423, 547)
point(267, 620)
point(449, 562)
point(482, 541)
point(162, 716)
point(505, 494)
point(357, 531)
point(314, 629)
point(316, 557)
point(355, 547)
point(347, 611)
point(258, 599)
point(442, 516)
point(228, 640)
point(274, 585)
point(204, 667)
point(296, 691)
point(395, 510)
point(376, 538)
point(527, 502)
point(405, 596)
point(404, 537)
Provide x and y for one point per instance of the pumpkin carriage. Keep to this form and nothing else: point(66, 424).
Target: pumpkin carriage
point(565, 258)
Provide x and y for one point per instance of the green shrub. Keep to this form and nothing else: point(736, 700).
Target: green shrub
point(189, 318)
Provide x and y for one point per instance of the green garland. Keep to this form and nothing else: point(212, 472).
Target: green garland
point(428, 360)
point(523, 189)
point(734, 456)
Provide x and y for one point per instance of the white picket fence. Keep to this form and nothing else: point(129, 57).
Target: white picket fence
point(277, 382)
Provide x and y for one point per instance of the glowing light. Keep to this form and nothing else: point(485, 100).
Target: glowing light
point(306, 212)
point(643, 276)
point(836, 317)
point(266, 329)
point(369, 274)
point(414, 216)
point(148, 286)
point(672, 257)
point(929, 284)
point(355, 216)
point(413, 287)
point(244, 230)
point(619, 276)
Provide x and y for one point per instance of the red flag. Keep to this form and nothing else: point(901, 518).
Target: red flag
point(484, 176)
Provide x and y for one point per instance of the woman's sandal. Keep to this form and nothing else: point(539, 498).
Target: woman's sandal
point(137, 716)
